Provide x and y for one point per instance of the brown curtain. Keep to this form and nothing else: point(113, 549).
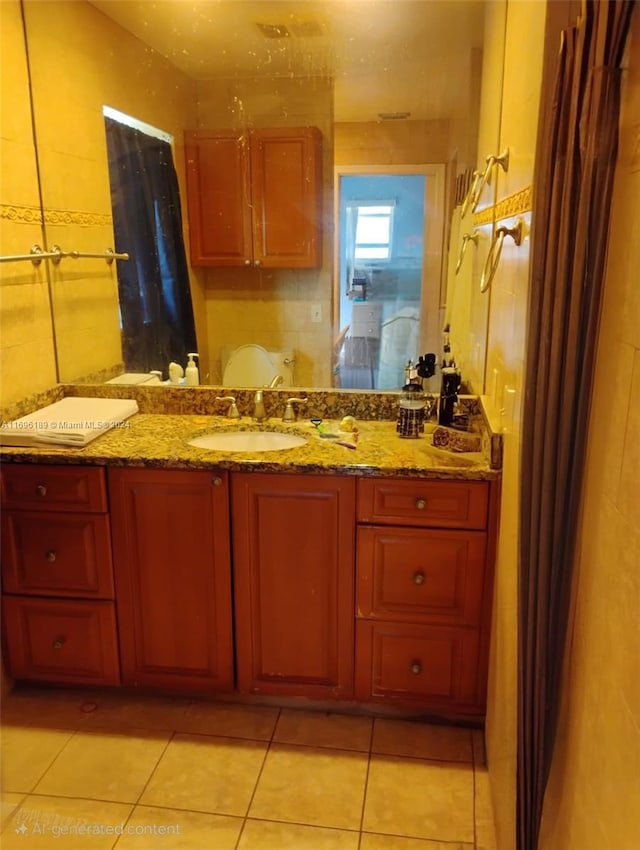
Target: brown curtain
point(572, 192)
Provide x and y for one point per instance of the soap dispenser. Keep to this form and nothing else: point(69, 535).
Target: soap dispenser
point(192, 376)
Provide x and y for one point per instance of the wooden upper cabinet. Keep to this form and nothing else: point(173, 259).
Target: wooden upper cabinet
point(173, 578)
point(254, 198)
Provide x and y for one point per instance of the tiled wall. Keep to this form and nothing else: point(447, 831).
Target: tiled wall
point(505, 353)
point(27, 357)
point(592, 799)
point(467, 308)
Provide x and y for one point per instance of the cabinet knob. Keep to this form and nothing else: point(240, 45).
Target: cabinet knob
point(50, 556)
point(41, 490)
point(416, 668)
point(58, 643)
point(247, 262)
point(257, 263)
point(419, 577)
point(421, 504)
point(217, 481)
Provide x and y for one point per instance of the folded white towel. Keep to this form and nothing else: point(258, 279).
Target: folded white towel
point(72, 421)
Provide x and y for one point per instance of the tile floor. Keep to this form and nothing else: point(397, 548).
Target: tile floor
point(83, 771)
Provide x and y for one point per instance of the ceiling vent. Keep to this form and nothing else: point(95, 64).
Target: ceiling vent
point(273, 30)
point(298, 27)
point(393, 116)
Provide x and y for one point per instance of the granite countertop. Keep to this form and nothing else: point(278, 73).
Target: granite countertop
point(160, 440)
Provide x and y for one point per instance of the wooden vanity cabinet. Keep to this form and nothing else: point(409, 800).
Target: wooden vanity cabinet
point(58, 611)
point(173, 578)
point(293, 544)
point(423, 593)
point(254, 197)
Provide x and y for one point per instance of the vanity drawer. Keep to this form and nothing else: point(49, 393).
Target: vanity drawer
point(407, 663)
point(61, 640)
point(53, 488)
point(408, 574)
point(56, 554)
point(423, 502)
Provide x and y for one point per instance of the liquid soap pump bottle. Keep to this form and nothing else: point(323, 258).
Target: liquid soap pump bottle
point(192, 375)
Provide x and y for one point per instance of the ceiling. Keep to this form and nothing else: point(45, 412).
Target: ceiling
point(385, 56)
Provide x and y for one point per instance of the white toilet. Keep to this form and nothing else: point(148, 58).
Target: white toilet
point(253, 366)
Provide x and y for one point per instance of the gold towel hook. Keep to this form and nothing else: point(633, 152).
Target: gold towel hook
point(467, 237)
point(517, 233)
point(482, 178)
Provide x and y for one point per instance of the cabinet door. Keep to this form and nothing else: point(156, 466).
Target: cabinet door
point(293, 539)
point(218, 198)
point(172, 570)
point(286, 177)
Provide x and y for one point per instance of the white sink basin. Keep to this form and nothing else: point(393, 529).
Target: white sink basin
point(248, 441)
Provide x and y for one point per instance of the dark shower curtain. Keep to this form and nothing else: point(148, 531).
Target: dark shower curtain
point(572, 193)
point(156, 311)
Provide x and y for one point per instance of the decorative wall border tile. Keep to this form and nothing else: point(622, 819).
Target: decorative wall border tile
point(33, 215)
point(21, 215)
point(84, 219)
point(519, 202)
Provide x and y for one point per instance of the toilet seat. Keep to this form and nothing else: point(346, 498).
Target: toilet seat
point(249, 366)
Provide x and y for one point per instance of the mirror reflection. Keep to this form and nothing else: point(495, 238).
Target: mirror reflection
point(391, 86)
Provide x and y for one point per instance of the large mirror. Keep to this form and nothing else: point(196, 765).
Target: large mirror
point(390, 84)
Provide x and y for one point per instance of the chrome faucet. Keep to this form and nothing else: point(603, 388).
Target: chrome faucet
point(259, 413)
point(277, 380)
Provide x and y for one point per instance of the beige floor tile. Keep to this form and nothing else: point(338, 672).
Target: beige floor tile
point(9, 802)
point(371, 841)
point(150, 828)
point(267, 835)
point(105, 765)
point(27, 752)
point(207, 774)
point(420, 799)
point(319, 787)
point(421, 740)
point(45, 823)
point(48, 708)
point(321, 729)
point(123, 712)
point(485, 829)
point(229, 720)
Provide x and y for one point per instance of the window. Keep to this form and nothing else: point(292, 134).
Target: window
point(374, 230)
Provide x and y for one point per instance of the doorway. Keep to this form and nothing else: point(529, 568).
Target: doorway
point(388, 298)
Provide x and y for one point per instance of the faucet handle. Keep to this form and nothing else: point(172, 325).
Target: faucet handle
point(289, 412)
point(232, 412)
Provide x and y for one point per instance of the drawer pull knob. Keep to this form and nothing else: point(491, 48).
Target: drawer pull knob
point(217, 481)
point(51, 556)
point(419, 578)
point(416, 668)
point(420, 504)
point(58, 643)
point(41, 490)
